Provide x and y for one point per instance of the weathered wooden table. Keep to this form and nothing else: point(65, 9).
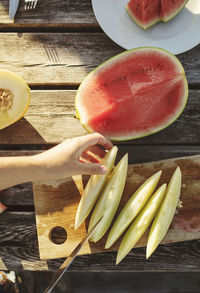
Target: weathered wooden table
point(53, 48)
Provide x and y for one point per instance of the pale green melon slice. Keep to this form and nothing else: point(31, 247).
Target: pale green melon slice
point(132, 208)
point(165, 214)
point(109, 200)
point(94, 188)
point(141, 223)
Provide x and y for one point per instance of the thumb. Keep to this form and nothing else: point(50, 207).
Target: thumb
point(92, 168)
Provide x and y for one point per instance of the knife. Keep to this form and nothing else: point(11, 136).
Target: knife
point(57, 276)
point(13, 5)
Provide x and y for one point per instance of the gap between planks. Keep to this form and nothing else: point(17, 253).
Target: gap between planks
point(75, 86)
point(50, 28)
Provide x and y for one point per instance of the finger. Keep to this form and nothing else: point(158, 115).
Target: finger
point(97, 150)
point(89, 157)
point(89, 169)
point(92, 139)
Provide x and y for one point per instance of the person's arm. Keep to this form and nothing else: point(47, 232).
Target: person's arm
point(16, 170)
point(59, 162)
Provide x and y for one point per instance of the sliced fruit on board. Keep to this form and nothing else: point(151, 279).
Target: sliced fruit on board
point(165, 214)
point(134, 94)
point(2, 208)
point(170, 8)
point(132, 208)
point(141, 223)
point(94, 188)
point(14, 98)
point(144, 12)
point(109, 200)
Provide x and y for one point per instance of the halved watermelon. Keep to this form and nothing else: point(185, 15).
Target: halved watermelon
point(145, 12)
point(134, 94)
point(170, 8)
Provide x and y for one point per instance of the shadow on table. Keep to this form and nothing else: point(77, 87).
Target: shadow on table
point(127, 282)
point(21, 132)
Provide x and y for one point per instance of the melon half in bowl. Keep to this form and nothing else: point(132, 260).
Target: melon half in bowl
point(14, 98)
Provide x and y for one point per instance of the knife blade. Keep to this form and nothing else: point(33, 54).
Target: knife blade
point(13, 5)
point(57, 276)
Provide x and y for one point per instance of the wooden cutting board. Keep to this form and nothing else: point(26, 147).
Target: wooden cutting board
point(56, 204)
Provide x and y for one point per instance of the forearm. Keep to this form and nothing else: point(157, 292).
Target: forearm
point(16, 170)
point(59, 162)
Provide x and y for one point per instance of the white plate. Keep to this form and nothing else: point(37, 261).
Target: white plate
point(178, 35)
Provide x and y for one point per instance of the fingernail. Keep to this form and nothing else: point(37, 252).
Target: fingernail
point(103, 169)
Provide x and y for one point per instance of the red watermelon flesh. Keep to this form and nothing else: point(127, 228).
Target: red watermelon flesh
point(2, 208)
point(148, 12)
point(134, 94)
point(145, 12)
point(169, 8)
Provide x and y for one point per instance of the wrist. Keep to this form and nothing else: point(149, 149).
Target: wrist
point(44, 166)
point(37, 165)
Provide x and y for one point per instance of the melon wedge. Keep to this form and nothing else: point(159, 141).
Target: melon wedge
point(94, 188)
point(144, 12)
point(132, 208)
point(14, 98)
point(109, 200)
point(141, 223)
point(2, 208)
point(170, 8)
point(165, 214)
point(134, 94)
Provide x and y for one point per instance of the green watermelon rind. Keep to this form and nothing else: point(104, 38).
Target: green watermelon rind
point(173, 15)
point(123, 138)
point(138, 23)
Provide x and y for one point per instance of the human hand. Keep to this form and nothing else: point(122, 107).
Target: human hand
point(69, 157)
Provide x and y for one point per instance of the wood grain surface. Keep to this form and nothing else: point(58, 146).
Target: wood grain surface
point(66, 58)
point(54, 52)
point(51, 119)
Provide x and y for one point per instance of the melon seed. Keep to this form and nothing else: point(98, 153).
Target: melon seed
point(6, 100)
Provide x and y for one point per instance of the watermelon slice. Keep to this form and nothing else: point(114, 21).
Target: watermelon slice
point(148, 12)
point(170, 8)
point(134, 94)
point(2, 208)
point(145, 12)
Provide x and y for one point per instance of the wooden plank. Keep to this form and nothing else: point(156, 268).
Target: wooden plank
point(51, 119)
point(2, 265)
point(117, 282)
point(66, 58)
point(54, 58)
point(50, 12)
point(22, 195)
point(176, 257)
point(136, 153)
point(30, 265)
point(18, 227)
point(18, 242)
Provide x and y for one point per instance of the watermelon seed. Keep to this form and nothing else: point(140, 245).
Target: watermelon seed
point(169, 100)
